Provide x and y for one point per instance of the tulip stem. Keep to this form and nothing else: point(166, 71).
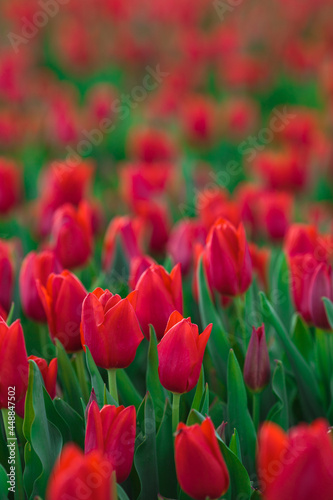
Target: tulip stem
point(256, 409)
point(175, 411)
point(239, 306)
point(112, 376)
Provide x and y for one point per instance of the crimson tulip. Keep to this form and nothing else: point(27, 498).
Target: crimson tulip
point(110, 328)
point(297, 465)
point(150, 145)
point(76, 476)
point(256, 365)
point(200, 467)
point(159, 294)
point(14, 365)
point(275, 211)
point(155, 216)
point(112, 430)
point(72, 235)
point(6, 276)
point(62, 299)
point(49, 373)
point(214, 204)
point(227, 259)
point(10, 185)
point(302, 239)
point(36, 267)
point(183, 237)
point(138, 265)
point(180, 354)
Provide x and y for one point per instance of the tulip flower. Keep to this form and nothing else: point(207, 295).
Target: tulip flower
point(159, 294)
point(201, 470)
point(76, 476)
point(49, 373)
point(6, 276)
point(138, 266)
point(155, 216)
point(275, 212)
point(110, 328)
point(72, 235)
point(150, 145)
point(111, 431)
point(180, 354)
point(302, 239)
point(36, 267)
point(10, 185)
point(62, 299)
point(311, 281)
point(184, 236)
point(296, 465)
point(128, 231)
point(14, 365)
point(227, 259)
point(260, 258)
point(256, 365)
point(199, 120)
point(214, 204)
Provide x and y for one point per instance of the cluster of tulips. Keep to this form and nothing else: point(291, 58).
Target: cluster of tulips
point(166, 249)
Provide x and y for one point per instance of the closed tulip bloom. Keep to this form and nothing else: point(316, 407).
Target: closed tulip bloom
point(10, 185)
point(49, 373)
point(180, 354)
point(14, 364)
point(297, 465)
point(111, 431)
point(301, 239)
point(184, 236)
point(159, 294)
point(256, 367)
point(36, 267)
point(227, 259)
point(275, 212)
point(110, 328)
point(72, 235)
point(138, 266)
point(321, 286)
point(62, 300)
point(76, 476)
point(6, 276)
point(156, 219)
point(201, 470)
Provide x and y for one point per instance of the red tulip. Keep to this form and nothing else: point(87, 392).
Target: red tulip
point(180, 354)
point(199, 119)
point(49, 373)
point(159, 294)
point(227, 259)
point(260, 258)
point(302, 238)
point(150, 145)
point(62, 300)
point(36, 267)
point(214, 204)
point(72, 235)
point(184, 236)
point(138, 266)
point(297, 465)
point(10, 185)
point(275, 209)
point(14, 365)
point(112, 430)
point(256, 366)
point(156, 218)
point(110, 328)
point(6, 276)
point(128, 232)
point(201, 470)
point(310, 282)
point(76, 476)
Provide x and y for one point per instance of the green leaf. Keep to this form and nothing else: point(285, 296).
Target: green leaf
point(199, 392)
point(3, 483)
point(44, 440)
point(121, 493)
point(307, 385)
point(70, 383)
point(218, 343)
point(238, 413)
point(165, 455)
point(280, 283)
point(279, 413)
point(302, 338)
point(74, 420)
point(153, 383)
point(145, 457)
point(127, 392)
point(329, 310)
point(234, 445)
point(97, 381)
point(204, 407)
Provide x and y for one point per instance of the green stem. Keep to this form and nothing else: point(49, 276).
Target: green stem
point(239, 306)
point(175, 411)
point(256, 409)
point(19, 489)
point(112, 376)
point(81, 374)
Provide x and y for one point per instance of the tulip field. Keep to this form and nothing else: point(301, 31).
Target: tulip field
point(166, 250)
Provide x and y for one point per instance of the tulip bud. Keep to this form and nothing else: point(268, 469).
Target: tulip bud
point(184, 236)
point(110, 328)
point(49, 373)
point(14, 365)
point(256, 367)
point(227, 259)
point(180, 354)
point(112, 430)
point(76, 476)
point(91, 399)
point(36, 267)
point(10, 185)
point(321, 286)
point(200, 467)
point(72, 235)
point(6, 276)
point(62, 301)
point(155, 216)
point(138, 266)
point(296, 465)
point(159, 294)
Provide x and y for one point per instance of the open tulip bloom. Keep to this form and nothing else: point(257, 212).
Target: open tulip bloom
point(166, 250)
